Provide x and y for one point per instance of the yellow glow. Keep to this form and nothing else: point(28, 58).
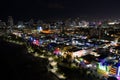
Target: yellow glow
point(46, 31)
point(53, 63)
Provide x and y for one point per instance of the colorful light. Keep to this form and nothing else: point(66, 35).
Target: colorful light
point(118, 73)
point(31, 38)
point(39, 29)
point(36, 42)
point(57, 51)
point(103, 67)
point(113, 70)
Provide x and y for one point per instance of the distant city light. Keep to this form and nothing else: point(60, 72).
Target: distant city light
point(21, 26)
point(39, 29)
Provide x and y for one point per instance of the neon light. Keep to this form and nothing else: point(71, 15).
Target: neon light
point(57, 51)
point(113, 70)
point(103, 67)
point(118, 73)
point(36, 42)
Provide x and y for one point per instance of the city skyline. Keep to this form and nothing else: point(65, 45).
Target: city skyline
point(55, 39)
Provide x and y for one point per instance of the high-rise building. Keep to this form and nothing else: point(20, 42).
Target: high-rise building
point(10, 21)
point(2, 24)
point(31, 23)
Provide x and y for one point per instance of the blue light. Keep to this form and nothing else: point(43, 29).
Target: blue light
point(39, 28)
point(118, 72)
point(31, 38)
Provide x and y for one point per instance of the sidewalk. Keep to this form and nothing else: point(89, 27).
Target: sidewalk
point(54, 70)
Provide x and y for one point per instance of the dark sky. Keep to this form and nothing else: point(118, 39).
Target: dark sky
point(60, 8)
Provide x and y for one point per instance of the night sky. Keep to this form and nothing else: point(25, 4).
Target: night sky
point(60, 8)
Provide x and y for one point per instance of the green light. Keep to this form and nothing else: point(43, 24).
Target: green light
point(103, 67)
